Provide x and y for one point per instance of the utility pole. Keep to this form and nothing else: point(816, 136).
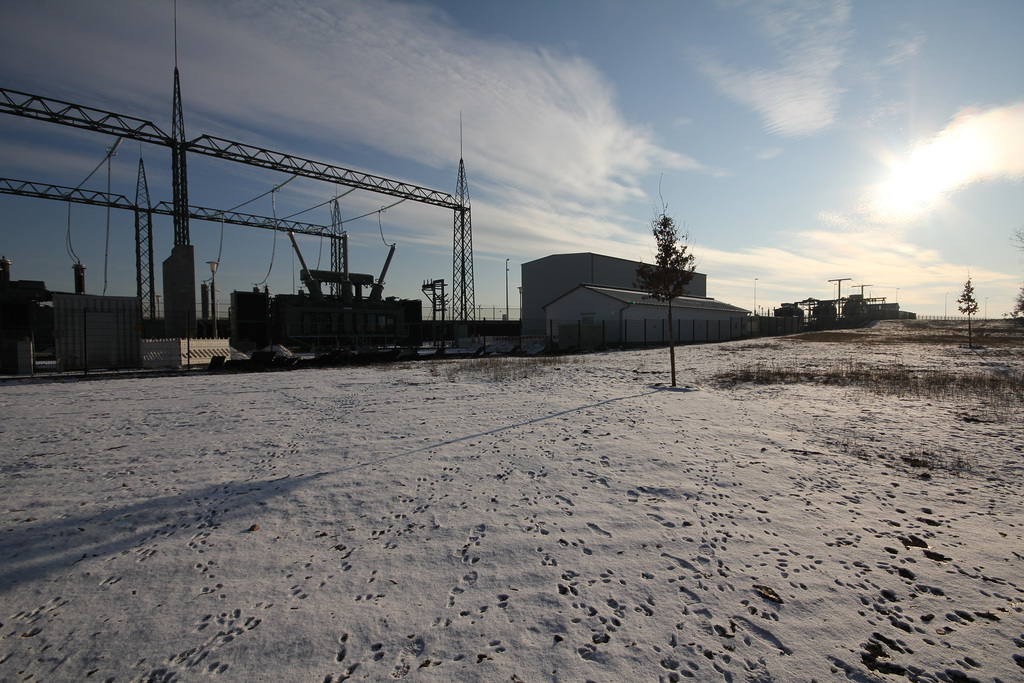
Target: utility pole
point(213, 294)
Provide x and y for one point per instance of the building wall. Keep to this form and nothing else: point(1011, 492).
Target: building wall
point(93, 332)
point(585, 319)
point(548, 278)
point(179, 272)
point(587, 305)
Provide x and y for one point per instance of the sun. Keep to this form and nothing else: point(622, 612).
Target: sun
point(920, 181)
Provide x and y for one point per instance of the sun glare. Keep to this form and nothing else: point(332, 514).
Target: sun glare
point(917, 183)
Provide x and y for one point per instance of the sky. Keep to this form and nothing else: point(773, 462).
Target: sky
point(794, 142)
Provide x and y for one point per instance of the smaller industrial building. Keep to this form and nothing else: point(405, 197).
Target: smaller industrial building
point(589, 301)
point(591, 316)
point(549, 278)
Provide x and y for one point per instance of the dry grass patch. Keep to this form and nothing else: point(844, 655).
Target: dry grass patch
point(987, 333)
point(999, 395)
point(499, 368)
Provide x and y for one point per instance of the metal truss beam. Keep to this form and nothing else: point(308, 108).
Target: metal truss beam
point(116, 201)
point(77, 116)
point(25, 188)
point(286, 163)
point(200, 213)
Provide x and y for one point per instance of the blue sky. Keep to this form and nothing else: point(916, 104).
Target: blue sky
point(797, 141)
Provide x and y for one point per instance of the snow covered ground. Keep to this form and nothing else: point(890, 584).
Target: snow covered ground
point(429, 522)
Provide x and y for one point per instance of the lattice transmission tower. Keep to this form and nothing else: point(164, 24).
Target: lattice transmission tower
point(144, 246)
point(179, 170)
point(463, 296)
point(339, 257)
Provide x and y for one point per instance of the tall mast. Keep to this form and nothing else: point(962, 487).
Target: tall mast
point(178, 168)
point(463, 296)
point(144, 245)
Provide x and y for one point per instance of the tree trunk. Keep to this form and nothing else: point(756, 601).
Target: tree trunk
point(671, 343)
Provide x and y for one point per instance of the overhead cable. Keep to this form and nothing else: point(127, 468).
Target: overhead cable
point(67, 240)
point(299, 213)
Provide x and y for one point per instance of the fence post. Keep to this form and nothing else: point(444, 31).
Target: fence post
point(85, 341)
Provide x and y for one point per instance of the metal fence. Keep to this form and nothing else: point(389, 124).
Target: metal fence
point(585, 336)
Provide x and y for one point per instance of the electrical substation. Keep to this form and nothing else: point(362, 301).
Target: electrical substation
point(340, 312)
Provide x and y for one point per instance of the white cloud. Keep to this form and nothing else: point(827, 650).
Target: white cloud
point(979, 145)
point(396, 77)
point(800, 95)
point(769, 153)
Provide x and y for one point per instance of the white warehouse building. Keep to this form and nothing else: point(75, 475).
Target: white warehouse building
point(590, 300)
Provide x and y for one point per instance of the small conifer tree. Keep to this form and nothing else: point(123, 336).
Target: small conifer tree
point(1018, 305)
point(671, 272)
point(968, 306)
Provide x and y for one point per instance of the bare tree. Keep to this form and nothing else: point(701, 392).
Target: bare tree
point(968, 306)
point(672, 270)
point(1018, 304)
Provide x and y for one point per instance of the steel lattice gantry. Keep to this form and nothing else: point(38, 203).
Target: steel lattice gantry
point(26, 188)
point(77, 116)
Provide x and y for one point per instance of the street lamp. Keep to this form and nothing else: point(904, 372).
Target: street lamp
point(755, 296)
point(945, 304)
point(213, 294)
point(506, 289)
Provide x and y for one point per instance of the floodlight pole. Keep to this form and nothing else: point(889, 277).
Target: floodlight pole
point(213, 294)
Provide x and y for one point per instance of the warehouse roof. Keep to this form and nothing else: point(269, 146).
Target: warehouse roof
point(634, 297)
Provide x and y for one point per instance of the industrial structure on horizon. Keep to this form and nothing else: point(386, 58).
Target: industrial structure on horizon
point(575, 301)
